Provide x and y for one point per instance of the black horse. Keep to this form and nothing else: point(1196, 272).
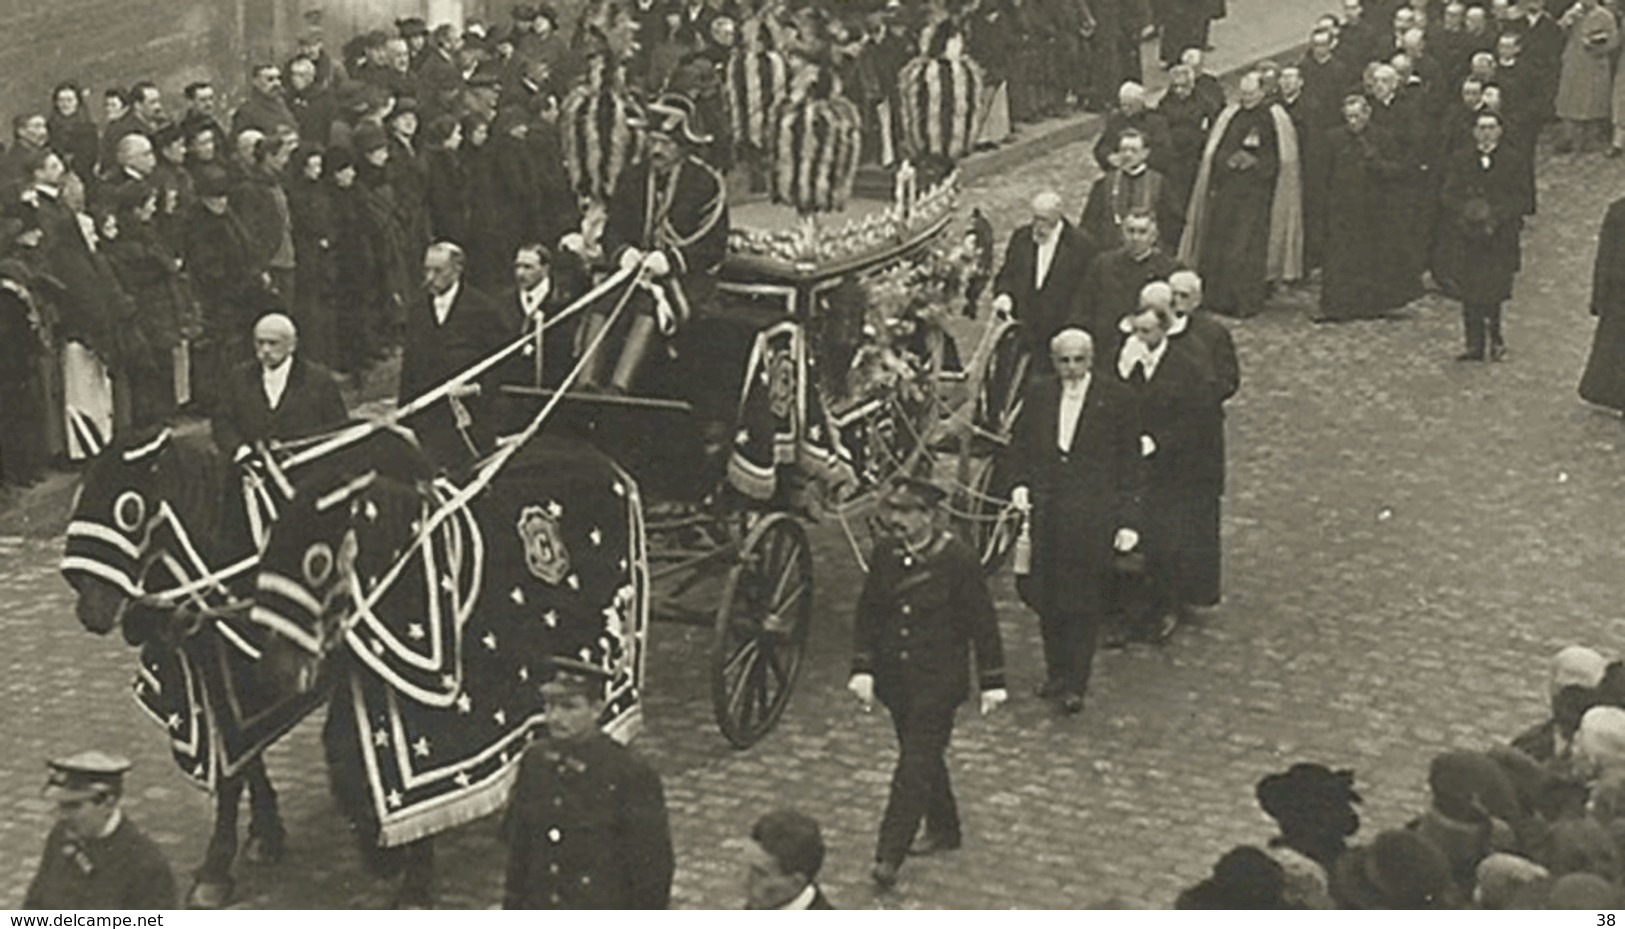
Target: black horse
point(430, 609)
point(157, 512)
point(163, 545)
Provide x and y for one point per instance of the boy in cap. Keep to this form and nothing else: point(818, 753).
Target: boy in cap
point(923, 609)
point(95, 858)
point(586, 825)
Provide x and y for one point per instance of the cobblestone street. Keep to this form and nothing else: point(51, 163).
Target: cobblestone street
point(1407, 540)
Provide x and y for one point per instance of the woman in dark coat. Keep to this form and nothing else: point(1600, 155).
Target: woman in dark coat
point(387, 269)
point(1604, 380)
point(176, 190)
point(73, 135)
point(446, 181)
point(149, 272)
point(487, 267)
point(26, 354)
point(514, 211)
point(311, 211)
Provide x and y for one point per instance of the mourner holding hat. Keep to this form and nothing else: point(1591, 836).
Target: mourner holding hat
point(924, 608)
point(669, 213)
point(95, 857)
point(586, 825)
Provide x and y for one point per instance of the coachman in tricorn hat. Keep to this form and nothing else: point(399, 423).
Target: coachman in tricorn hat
point(669, 214)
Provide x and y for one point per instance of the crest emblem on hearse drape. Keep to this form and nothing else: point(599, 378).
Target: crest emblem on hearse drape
point(545, 553)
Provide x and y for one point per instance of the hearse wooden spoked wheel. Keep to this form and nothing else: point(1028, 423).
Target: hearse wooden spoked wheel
point(761, 629)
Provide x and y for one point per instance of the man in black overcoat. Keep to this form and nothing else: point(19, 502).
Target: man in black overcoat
point(278, 395)
point(448, 328)
point(1183, 445)
point(1043, 268)
point(1482, 201)
point(1075, 469)
point(544, 284)
point(924, 609)
point(586, 826)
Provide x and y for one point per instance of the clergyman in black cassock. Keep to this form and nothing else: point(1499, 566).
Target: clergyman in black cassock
point(1604, 380)
point(1111, 289)
point(1361, 167)
point(1230, 244)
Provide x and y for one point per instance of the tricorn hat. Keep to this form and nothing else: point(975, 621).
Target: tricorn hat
point(673, 115)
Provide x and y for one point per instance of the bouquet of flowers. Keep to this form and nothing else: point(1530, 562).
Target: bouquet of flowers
point(905, 309)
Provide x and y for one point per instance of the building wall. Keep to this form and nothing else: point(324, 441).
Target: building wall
point(104, 43)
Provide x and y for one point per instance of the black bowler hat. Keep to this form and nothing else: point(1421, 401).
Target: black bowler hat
point(914, 492)
point(411, 27)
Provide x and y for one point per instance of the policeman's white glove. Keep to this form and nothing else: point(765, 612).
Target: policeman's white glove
point(1003, 305)
point(1126, 540)
point(1148, 445)
point(657, 264)
point(242, 453)
point(464, 390)
point(1021, 498)
point(993, 699)
point(631, 258)
point(862, 686)
point(574, 242)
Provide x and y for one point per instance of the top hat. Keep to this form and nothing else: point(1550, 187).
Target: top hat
point(672, 115)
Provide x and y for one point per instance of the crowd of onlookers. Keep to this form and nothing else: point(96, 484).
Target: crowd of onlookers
point(1536, 823)
point(143, 233)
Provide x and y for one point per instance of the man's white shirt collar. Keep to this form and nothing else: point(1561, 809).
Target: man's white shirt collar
point(1135, 351)
point(802, 900)
point(533, 298)
point(443, 302)
point(1073, 396)
point(275, 381)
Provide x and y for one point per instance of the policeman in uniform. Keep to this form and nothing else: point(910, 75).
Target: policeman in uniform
point(923, 608)
point(95, 857)
point(586, 826)
point(668, 214)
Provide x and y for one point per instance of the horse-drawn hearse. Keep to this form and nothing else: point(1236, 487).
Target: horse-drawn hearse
point(422, 606)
